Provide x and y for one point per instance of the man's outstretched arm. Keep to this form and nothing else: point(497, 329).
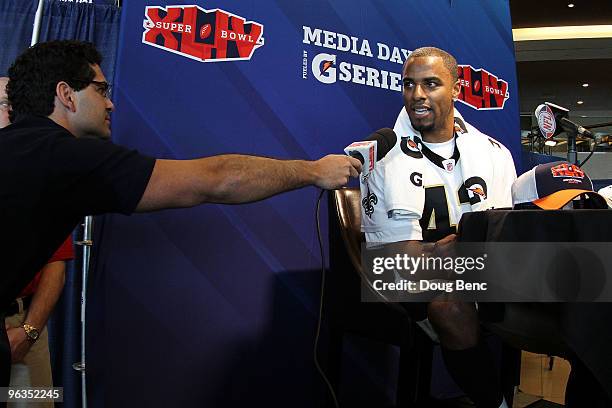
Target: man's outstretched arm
point(234, 179)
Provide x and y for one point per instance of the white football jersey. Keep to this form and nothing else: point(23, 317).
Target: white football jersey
point(390, 209)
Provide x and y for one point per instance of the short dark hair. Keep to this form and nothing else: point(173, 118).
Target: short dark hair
point(34, 75)
point(449, 61)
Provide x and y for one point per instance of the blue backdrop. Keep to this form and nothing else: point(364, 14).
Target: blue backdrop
point(217, 305)
point(16, 20)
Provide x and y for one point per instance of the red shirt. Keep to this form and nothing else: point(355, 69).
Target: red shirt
point(65, 252)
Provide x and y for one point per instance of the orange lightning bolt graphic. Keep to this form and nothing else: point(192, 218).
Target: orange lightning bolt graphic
point(327, 65)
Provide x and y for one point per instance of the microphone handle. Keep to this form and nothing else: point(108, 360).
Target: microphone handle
point(574, 127)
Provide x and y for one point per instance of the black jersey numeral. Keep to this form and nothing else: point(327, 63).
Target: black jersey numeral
point(435, 222)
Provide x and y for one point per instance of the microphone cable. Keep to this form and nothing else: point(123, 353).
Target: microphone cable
point(318, 333)
point(593, 147)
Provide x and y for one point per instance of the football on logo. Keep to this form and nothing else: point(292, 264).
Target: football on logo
point(205, 31)
point(546, 121)
point(200, 34)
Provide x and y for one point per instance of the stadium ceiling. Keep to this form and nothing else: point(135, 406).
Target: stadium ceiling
point(555, 70)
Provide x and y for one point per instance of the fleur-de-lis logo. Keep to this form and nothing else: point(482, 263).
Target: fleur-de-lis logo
point(368, 203)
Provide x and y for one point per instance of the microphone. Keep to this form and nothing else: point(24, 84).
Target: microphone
point(570, 126)
point(365, 152)
point(553, 119)
point(386, 139)
point(373, 149)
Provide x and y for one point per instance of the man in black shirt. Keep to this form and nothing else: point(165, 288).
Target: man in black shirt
point(51, 175)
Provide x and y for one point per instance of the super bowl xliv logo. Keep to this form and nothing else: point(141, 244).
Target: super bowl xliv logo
point(204, 35)
point(480, 89)
point(567, 170)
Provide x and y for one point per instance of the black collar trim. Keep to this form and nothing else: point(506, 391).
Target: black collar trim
point(436, 158)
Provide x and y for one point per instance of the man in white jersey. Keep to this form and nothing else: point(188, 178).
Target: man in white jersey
point(416, 197)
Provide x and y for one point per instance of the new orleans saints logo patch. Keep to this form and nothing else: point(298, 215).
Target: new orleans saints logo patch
point(368, 203)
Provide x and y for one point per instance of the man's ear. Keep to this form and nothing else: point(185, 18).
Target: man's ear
point(456, 90)
point(65, 95)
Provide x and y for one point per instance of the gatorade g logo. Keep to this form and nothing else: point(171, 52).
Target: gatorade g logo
point(324, 68)
point(204, 35)
point(567, 170)
point(480, 89)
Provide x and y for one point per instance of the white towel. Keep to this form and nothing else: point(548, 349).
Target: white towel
point(486, 164)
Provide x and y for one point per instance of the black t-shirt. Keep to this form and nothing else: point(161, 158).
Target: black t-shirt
point(49, 180)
